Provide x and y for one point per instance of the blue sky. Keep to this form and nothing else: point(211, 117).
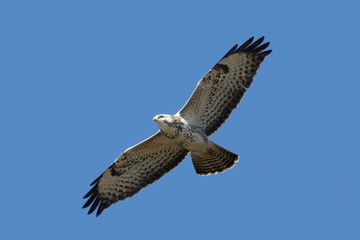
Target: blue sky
point(80, 82)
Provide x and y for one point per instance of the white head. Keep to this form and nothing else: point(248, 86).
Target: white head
point(163, 120)
point(170, 125)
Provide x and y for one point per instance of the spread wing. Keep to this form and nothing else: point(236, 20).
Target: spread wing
point(133, 170)
point(222, 88)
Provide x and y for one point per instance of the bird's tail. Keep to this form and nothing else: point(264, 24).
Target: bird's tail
point(216, 159)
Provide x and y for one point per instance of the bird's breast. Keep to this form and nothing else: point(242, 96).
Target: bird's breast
point(193, 138)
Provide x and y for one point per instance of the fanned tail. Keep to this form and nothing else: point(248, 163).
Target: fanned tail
point(217, 159)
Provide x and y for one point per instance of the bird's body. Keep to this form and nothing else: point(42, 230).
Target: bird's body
point(215, 96)
point(192, 137)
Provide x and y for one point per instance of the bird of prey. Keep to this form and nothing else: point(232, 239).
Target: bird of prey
point(214, 98)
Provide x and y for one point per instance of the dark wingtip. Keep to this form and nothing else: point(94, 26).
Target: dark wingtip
point(261, 47)
point(96, 180)
point(100, 209)
point(265, 53)
point(256, 47)
point(93, 196)
point(245, 44)
point(92, 190)
point(250, 46)
point(231, 51)
point(94, 205)
point(96, 202)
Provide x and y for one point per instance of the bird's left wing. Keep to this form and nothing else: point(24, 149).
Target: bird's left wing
point(137, 167)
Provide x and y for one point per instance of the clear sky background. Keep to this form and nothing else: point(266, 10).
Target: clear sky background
point(80, 82)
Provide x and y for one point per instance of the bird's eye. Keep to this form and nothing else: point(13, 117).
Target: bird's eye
point(161, 117)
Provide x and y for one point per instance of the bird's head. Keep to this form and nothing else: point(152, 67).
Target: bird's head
point(163, 120)
point(168, 124)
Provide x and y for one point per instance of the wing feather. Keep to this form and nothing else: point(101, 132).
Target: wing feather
point(222, 88)
point(137, 167)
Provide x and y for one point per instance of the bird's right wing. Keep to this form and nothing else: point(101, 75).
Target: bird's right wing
point(137, 167)
point(222, 88)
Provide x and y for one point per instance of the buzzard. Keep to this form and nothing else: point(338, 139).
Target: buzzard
point(214, 98)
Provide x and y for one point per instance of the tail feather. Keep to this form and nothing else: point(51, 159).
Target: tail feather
point(217, 159)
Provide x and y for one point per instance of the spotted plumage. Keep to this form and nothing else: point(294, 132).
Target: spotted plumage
point(214, 98)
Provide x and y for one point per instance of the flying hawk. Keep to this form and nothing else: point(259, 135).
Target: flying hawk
point(214, 98)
